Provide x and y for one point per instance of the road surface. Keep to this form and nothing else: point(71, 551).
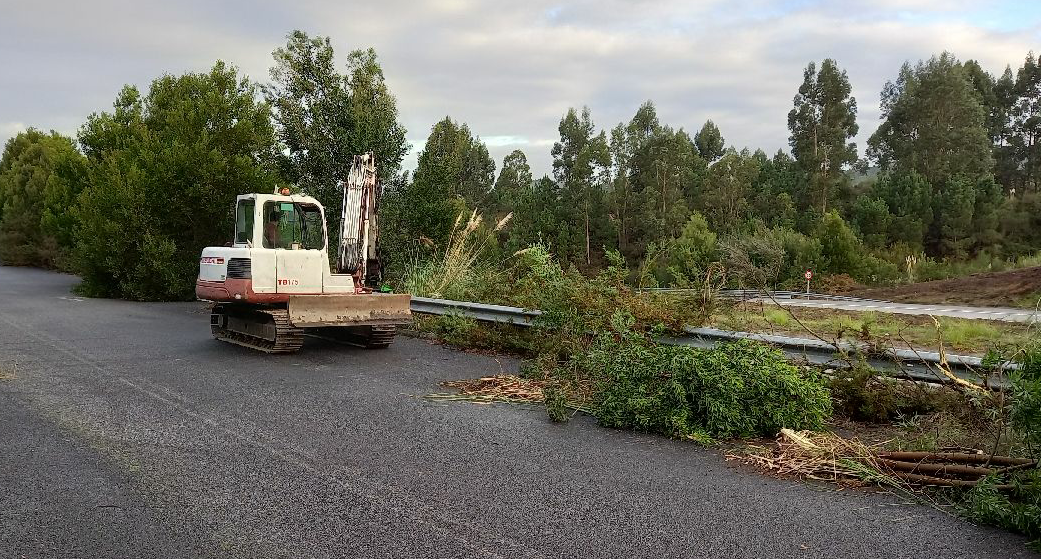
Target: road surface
point(125, 431)
point(976, 313)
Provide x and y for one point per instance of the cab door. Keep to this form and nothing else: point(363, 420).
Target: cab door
point(300, 258)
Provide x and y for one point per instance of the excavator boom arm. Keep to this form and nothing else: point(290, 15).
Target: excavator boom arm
point(357, 218)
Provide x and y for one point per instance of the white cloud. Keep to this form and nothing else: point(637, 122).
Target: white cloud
point(12, 128)
point(9, 130)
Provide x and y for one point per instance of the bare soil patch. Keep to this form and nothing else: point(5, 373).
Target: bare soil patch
point(1014, 288)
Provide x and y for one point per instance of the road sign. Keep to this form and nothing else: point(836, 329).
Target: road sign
point(808, 275)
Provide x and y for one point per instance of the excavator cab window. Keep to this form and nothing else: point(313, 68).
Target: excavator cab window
point(244, 222)
point(311, 227)
point(293, 226)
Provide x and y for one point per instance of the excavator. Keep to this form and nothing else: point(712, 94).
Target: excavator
point(273, 282)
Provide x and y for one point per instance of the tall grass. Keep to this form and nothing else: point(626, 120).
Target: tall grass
point(927, 269)
point(456, 272)
point(778, 317)
point(963, 332)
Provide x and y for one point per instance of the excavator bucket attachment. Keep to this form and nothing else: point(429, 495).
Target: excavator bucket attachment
point(375, 309)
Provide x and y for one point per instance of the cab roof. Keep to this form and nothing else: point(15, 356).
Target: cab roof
point(294, 198)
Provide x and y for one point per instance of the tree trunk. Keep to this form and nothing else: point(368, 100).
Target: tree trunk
point(588, 260)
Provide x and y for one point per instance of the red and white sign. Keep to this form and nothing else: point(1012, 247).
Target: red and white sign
point(808, 275)
point(212, 260)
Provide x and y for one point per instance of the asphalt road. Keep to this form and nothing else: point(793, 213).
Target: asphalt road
point(977, 313)
point(125, 431)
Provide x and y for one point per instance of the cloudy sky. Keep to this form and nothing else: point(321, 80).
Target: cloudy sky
point(510, 69)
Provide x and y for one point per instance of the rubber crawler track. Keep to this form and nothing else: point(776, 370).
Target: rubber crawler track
point(373, 337)
point(381, 336)
point(288, 338)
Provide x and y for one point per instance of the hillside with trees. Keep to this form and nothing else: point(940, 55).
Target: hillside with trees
point(951, 182)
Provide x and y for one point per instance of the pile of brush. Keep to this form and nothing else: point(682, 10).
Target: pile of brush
point(813, 455)
point(830, 457)
point(502, 388)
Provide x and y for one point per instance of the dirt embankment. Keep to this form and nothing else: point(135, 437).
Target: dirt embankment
point(1015, 288)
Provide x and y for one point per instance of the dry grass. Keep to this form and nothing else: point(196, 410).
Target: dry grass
point(502, 388)
point(822, 456)
point(7, 372)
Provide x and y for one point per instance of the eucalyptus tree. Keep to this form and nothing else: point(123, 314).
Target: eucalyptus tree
point(581, 167)
point(822, 122)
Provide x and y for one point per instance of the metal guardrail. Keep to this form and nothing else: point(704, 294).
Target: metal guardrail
point(478, 311)
point(916, 365)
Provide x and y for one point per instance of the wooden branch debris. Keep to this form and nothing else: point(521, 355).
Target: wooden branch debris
point(945, 368)
point(830, 457)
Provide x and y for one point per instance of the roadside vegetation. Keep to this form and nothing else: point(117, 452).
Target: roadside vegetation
point(597, 351)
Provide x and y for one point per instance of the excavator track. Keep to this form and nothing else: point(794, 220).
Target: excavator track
point(372, 337)
point(380, 337)
point(267, 330)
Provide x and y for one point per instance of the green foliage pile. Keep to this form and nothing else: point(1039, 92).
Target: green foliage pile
point(164, 171)
point(1018, 509)
point(738, 390)
point(1026, 397)
point(40, 177)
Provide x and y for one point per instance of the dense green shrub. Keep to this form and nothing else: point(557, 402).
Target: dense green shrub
point(685, 261)
point(743, 389)
point(1026, 397)
point(1018, 510)
point(164, 171)
point(40, 175)
point(842, 249)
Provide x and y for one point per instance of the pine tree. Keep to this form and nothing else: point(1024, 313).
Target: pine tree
point(727, 187)
point(454, 174)
point(324, 117)
point(1026, 122)
point(709, 142)
point(933, 123)
point(514, 182)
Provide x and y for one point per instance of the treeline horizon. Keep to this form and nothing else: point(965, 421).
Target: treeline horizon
point(132, 200)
